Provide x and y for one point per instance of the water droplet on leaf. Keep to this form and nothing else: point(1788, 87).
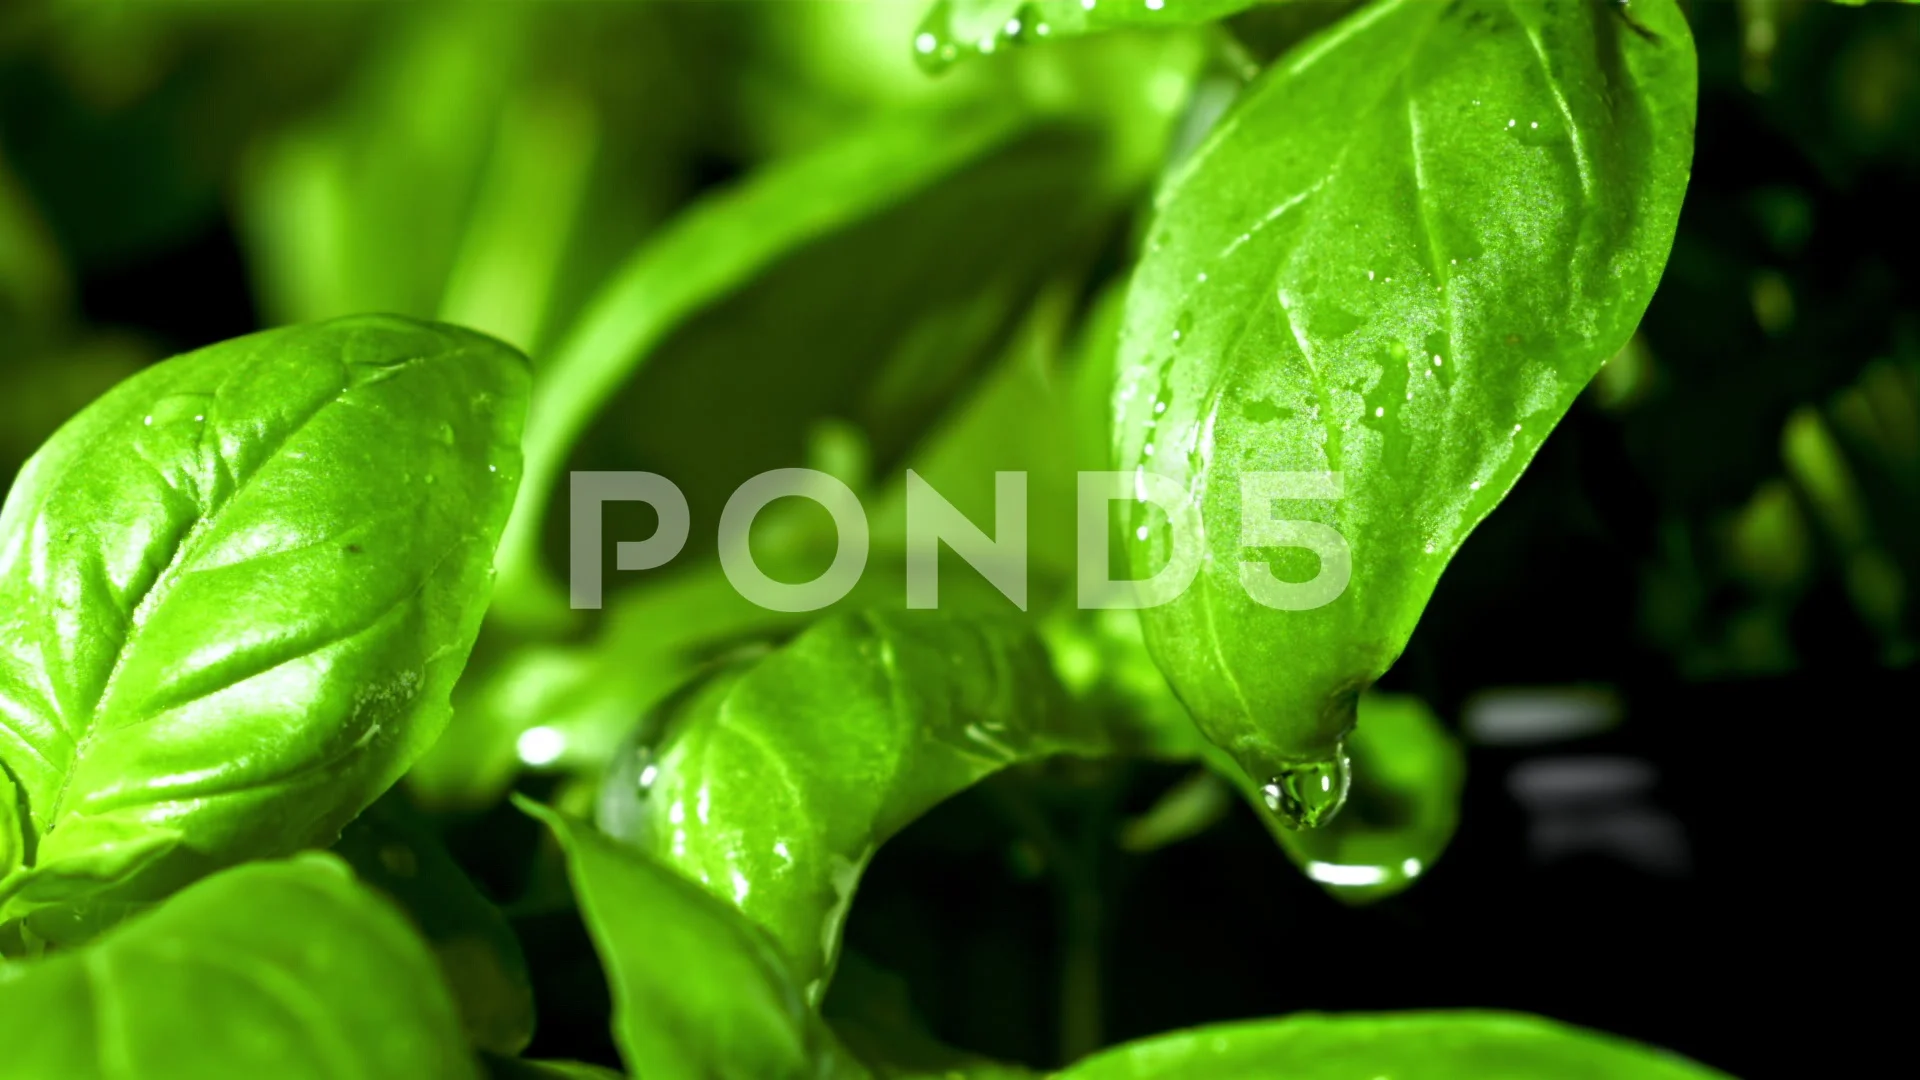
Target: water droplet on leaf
point(1307, 794)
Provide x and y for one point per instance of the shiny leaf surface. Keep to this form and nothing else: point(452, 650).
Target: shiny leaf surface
point(1396, 261)
point(234, 595)
point(773, 783)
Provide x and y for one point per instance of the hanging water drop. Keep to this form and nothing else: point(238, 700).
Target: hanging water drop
point(1307, 794)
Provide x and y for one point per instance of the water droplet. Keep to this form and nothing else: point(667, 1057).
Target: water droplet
point(1307, 794)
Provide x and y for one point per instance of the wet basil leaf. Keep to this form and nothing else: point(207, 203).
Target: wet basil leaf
point(1391, 267)
point(1406, 1046)
point(699, 992)
point(287, 969)
point(773, 783)
point(234, 595)
point(954, 29)
point(392, 848)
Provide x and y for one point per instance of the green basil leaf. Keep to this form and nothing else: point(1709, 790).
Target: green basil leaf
point(699, 992)
point(570, 707)
point(392, 848)
point(954, 29)
point(234, 595)
point(715, 249)
point(1407, 1046)
point(287, 969)
point(1408, 772)
point(774, 782)
point(1396, 261)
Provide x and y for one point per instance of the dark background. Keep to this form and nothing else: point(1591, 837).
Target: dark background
point(1761, 704)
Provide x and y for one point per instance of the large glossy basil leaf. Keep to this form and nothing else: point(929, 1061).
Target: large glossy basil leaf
point(699, 992)
point(392, 848)
point(287, 969)
point(773, 782)
point(1390, 268)
point(234, 595)
point(954, 29)
point(1405, 1046)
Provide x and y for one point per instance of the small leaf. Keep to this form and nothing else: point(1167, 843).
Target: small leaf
point(1405, 1046)
point(394, 850)
point(699, 993)
point(287, 969)
point(1391, 268)
point(234, 595)
point(774, 782)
